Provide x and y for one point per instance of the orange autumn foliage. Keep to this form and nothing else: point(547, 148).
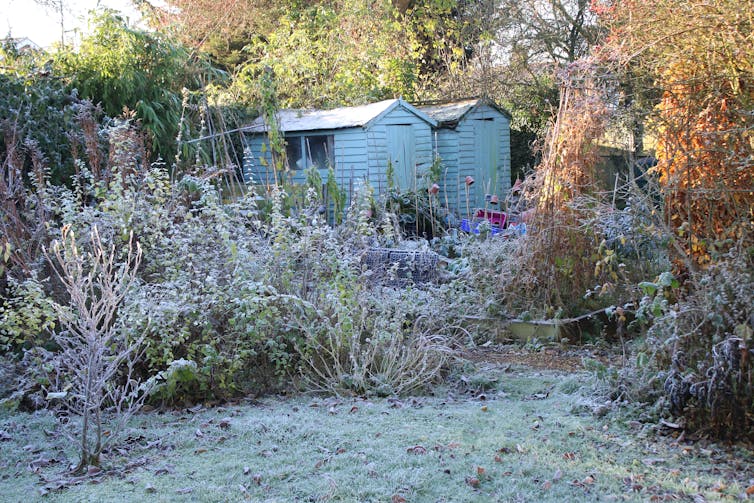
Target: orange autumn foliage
point(705, 164)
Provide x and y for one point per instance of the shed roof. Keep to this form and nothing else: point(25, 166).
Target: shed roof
point(292, 120)
point(449, 114)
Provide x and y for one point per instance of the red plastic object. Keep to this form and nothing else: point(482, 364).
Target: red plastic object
point(496, 218)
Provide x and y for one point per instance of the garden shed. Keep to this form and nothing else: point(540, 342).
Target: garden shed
point(472, 139)
point(358, 142)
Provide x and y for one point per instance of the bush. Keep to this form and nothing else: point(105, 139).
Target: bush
point(708, 348)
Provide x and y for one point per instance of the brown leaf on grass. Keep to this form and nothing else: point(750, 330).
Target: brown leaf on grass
point(480, 471)
point(340, 450)
point(417, 449)
point(588, 480)
point(397, 498)
point(504, 450)
point(498, 459)
point(546, 485)
point(224, 423)
point(165, 470)
point(472, 481)
point(570, 456)
point(200, 450)
point(749, 490)
point(353, 410)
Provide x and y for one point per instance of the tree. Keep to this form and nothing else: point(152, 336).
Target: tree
point(333, 53)
point(96, 358)
point(699, 55)
point(125, 68)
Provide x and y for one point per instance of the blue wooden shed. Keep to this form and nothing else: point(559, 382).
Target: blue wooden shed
point(358, 142)
point(472, 139)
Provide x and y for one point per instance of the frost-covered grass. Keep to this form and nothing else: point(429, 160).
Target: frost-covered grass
point(532, 438)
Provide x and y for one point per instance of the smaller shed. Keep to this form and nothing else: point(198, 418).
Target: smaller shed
point(358, 142)
point(473, 139)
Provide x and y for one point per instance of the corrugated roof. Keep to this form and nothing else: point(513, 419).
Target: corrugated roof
point(311, 120)
point(448, 113)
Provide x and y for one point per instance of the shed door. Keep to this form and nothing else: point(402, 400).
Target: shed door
point(401, 151)
point(486, 147)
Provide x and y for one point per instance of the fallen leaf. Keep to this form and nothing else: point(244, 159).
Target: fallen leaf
point(547, 485)
point(749, 490)
point(498, 459)
point(588, 480)
point(224, 423)
point(472, 481)
point(417, 449)
point(484, 408)
point(353, 409)
point(570, 456)
point(479, 471)
point(200, 450)
point(397, 498)
point(718, 487)
point(340, 450)
point(167, 469)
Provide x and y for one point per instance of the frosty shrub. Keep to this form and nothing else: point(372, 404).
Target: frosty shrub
point(96, 360)
point(707, 343)
point(371, 342)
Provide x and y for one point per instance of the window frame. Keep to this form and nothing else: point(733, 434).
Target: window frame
point(304, 142)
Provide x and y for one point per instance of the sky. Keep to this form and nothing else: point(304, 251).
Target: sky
point(25, 18)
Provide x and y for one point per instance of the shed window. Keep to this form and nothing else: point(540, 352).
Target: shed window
point(310, 150)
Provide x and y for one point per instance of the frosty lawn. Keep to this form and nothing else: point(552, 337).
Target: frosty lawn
point(533, 437)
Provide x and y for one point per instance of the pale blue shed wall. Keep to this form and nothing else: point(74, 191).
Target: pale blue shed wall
point(458, 151)
point(359, 153)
